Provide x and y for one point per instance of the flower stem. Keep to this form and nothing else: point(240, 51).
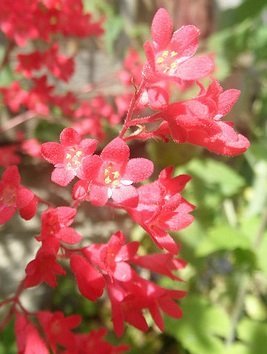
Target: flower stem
point(132, 106)
point(19, 119)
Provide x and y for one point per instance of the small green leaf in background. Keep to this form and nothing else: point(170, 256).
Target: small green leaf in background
point(216, 174)
point(7, 342)
point(255, 308)
point(222, 237)
point(254, 334)
point(6, 76)
point(47, 131)
point(202, 325)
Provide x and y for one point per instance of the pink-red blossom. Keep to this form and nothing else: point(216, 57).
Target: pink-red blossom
point(113, 173)
point(199, 121)
point(67, 155)
point(171, 55)
point(161, 208)
point(14, 196)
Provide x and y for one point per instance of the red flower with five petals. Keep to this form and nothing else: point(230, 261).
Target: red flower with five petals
point(170, 54)
point(112, 174)
point(68, 155)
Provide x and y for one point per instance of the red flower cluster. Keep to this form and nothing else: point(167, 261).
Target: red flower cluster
point(55, 231)
point(27, 20)
point(109, 265)
point(59, 65)
point(53, 331)
point(108, 177)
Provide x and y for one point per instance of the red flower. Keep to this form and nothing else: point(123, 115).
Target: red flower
point(160, 263)
point(68, 155)
point(27, 337)
point(55, 224)
point(13, 196)
point(170, 54)
point(162, 208)
point(90, 281)
point(59, 65)
point(128, 304)
point(14, 96)
point(94, 342)
point(44, 268)
point(102, 263)
point(31, 147)
point(26, 20)
point(114, 174)
point(198, 121)
point(27, 63)
point(39, 97)
point(58, 329)
point(112, 258)
point(8, 156)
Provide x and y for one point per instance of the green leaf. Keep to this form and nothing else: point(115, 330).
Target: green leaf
point(238, 348)
point(113, 27)
point(258, 196)
point(171, 153)
point(248, 9)
point(216, 175)
point(47, 131)
point(7, 343)
point(259, 44)
point(6, 76)
point(255, 308)
point(254, 334)
point(201, 324)
point(223, 237)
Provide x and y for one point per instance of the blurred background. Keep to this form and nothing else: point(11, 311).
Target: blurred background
point(226, 247)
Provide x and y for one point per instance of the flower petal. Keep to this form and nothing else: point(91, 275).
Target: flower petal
point(116, 151)
point(98, 195)
point(6, 213)
point(185, 41)
point(53, 152)
point(69, 137)
point(69, 235)
point(195, 68)
point(161, 29)
point(90, 282)
point(62, 176)
point(29, 210)
point(226, 101)
point(11, 176)
point(126, 196)
point(138, 169)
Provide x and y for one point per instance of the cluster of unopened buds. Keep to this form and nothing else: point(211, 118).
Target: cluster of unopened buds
point(110, 177)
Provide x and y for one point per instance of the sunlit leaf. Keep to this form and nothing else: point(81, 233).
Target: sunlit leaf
point(200, 327)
